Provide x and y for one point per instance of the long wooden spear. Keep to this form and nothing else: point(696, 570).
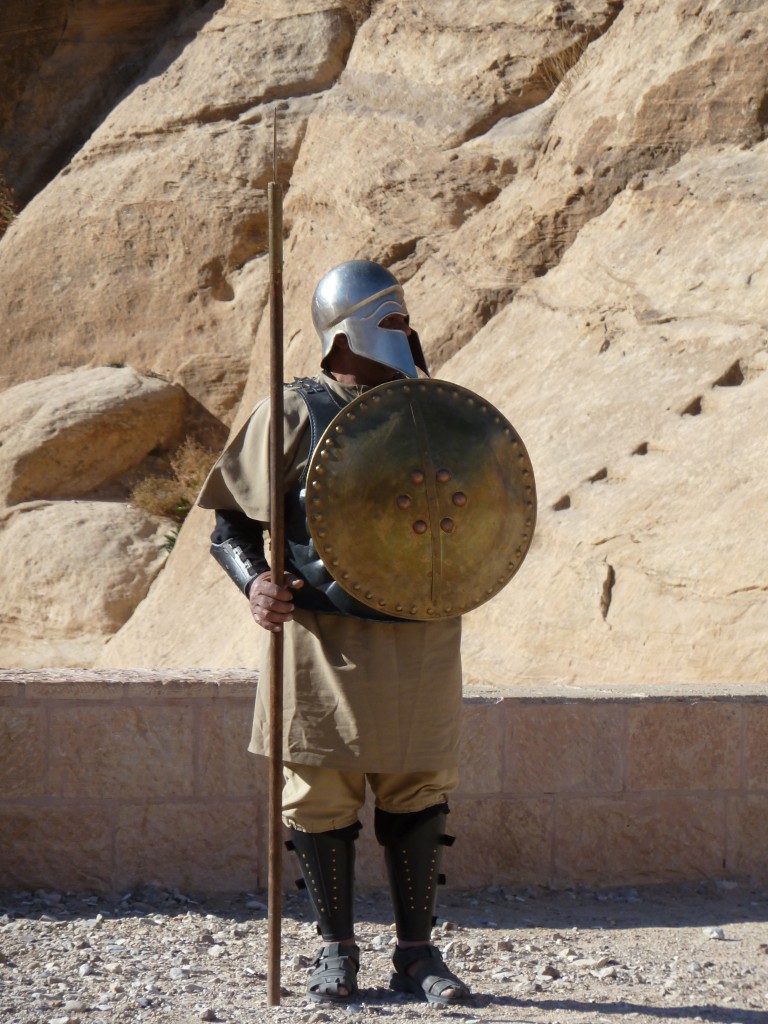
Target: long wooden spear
point(277, 558)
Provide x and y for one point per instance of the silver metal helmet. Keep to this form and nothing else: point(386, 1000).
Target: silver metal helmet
point(353, 299)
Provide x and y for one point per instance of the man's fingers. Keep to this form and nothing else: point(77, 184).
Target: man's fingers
point(272, 605)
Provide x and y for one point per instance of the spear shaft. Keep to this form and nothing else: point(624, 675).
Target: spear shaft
point(277, 558)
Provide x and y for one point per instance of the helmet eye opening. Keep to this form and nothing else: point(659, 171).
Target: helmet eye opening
point(394, 322)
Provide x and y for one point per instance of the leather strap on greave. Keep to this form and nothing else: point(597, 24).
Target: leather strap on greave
point(327, 861)
point(412, 847)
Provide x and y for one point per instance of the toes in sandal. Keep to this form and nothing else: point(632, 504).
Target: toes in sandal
point(430, 979)
point(336, 968)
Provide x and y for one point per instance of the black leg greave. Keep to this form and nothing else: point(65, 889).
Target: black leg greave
point(412, 847)
point(327, 861)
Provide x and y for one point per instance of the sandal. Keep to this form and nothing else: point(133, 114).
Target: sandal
point(336, 967)
point(431, 978)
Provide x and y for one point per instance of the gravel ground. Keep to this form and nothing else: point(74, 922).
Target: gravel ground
point(655, 954)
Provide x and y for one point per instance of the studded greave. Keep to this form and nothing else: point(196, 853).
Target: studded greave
point(327, 861)
point(412, 847)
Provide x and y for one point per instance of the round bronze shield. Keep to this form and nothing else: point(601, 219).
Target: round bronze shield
point(421, 500)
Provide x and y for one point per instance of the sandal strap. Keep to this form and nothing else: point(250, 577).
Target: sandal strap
point(336, 967)
point(334, 955)
point(402, 958)
point(432, 974)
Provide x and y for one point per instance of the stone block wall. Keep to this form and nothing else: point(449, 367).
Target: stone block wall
point(112, 779)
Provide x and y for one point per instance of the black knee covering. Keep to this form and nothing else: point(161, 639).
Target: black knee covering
point(327, 862)
point(412, 847)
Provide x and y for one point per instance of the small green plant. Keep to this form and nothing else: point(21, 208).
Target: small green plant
point(170, 539)
point(173, 496)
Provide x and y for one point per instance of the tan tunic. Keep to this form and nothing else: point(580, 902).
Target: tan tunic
point(359, 694)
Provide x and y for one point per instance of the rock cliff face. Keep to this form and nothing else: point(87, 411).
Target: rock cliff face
point(574, 194)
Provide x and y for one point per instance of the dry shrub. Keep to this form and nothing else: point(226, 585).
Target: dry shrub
point(561, 67)
point(173, 496)
point(191, 464)
point(8, 207)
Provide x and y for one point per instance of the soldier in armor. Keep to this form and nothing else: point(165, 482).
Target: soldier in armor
point(369, 698)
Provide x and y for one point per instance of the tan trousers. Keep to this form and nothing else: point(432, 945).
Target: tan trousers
point(320, 799)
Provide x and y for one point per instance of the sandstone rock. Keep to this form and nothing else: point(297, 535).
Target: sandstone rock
point(642, 405)
point(664, 79)
point(64, 66)
point(156, 231)
point(214, 627)
point(66, 435)
point(574, 194)
point(73, 572)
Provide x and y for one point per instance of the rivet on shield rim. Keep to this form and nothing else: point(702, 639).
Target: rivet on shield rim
point(420, 526)
point(404, 501)
point(368, 595)
point(382, 602)
point(443, 476)
point(459, 498)
point(417, 476)
point(447, 525)
point(355, 586)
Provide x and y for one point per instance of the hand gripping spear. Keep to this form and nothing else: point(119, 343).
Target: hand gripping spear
point(277, 545)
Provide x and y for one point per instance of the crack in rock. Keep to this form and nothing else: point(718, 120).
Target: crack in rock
point(607, 594)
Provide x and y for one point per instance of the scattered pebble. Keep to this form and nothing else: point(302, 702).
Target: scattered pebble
point(154, 956)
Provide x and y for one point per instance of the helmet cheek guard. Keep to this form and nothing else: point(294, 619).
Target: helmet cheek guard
point(353, 299)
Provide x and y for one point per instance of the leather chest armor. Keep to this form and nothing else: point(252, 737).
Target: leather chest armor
point(320, 593)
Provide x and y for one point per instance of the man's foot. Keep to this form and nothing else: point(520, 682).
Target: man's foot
point(421, 971)
point(334, 979)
